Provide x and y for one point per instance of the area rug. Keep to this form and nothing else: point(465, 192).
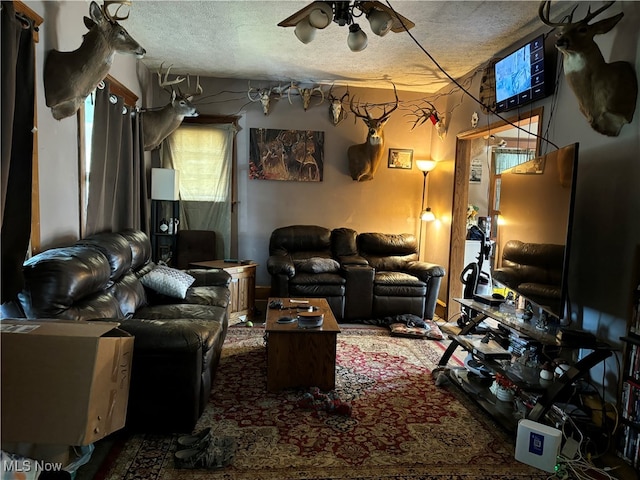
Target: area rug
point(401, 425)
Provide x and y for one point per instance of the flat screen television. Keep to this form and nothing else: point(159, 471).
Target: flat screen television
point(536, 206)
point(525, 75)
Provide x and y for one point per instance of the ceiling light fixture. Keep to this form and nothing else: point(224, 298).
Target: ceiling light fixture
point(318, 15)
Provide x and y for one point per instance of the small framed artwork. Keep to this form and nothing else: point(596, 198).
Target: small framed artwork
point(400, 158)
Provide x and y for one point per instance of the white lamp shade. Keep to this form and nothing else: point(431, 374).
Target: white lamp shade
point(381, 22)
point(426, 165)
point(304, 31)
point(321, 16)
point(427, 215)
point(165, 184)
point(357, 39)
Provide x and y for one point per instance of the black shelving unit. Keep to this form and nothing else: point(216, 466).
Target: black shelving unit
point(537, 395)
point(165, 221)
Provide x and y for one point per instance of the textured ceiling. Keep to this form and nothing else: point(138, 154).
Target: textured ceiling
point(241, 39)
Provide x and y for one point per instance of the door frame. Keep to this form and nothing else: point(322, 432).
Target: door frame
point(460, 201)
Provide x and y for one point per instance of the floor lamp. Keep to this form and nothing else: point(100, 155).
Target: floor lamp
point(426, 215)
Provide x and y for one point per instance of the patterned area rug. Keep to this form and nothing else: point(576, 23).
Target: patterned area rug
point(401, 427)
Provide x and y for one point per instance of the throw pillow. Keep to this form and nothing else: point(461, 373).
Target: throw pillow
point(318, 265)
point(429, 331)
point(168, 281)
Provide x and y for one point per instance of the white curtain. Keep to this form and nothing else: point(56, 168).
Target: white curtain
point(204, 156)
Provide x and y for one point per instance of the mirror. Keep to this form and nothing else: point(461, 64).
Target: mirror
point(480, 155)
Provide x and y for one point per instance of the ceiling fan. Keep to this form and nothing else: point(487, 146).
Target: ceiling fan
point(318, 15)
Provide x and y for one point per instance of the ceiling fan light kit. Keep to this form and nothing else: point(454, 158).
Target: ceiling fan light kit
point(380, 22)
point(318, 15)
point(304, 31)
point(357, 39)
point(321, 16)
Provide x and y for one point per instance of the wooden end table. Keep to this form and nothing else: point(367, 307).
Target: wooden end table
point(242, 287)
point(301, 357)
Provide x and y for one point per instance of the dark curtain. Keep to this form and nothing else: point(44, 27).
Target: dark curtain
point(18, 70)
point(117, 182)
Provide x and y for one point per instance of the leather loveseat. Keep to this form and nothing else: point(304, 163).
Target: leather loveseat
point(362, 276)
point(534, 270)
point(178, 341)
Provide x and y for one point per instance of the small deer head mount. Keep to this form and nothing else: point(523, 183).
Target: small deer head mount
point(69, 77)
point(305, 94)
point(606, 92)
point(364, 158)
point(159, 124)
point(337, 112)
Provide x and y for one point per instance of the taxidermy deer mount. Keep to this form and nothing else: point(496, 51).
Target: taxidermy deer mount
point(606, 92)
point(159, 124)
point(364, 158)
point(69, 77)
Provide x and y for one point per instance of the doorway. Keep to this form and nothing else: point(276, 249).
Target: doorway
point(476, 182)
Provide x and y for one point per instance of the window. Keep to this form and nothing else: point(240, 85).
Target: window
point(204, 155)
point(201, 153)
point(506, 158)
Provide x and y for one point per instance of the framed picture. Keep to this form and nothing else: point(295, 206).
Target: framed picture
point(475, 175)
point(400, 158)
point(286, 155)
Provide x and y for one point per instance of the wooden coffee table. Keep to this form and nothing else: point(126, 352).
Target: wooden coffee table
point(301, 357)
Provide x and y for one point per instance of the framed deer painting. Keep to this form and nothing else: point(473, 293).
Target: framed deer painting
point(289, 155)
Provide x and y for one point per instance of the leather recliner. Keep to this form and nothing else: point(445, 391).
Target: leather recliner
point(301, 265)
point(373, 275)
point(534, 270)
point(401, 283)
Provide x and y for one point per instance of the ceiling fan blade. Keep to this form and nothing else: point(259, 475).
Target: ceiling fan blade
point(398, 19)
point(293, 20)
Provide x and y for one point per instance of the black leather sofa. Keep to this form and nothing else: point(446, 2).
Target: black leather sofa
point(363, 276)
point(534, 270)
point(177, 343)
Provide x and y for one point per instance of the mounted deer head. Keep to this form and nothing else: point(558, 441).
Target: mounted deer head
point(364, 158)
point(69, 77)
point(262, 95)
point(337, 112)
point(606, 92)
point(305, 94)
point(159, 124)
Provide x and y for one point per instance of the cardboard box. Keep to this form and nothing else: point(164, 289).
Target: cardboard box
point(63, 382)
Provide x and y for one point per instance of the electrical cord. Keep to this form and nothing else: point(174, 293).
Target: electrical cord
point(424, 50)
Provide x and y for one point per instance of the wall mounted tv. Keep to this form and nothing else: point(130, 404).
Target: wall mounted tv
point(525, 75)
point(534, 229)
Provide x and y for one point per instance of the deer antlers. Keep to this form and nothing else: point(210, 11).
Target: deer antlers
point(165, 82)
point(367, 116)
point(545, 8)
point(115, 17)
point(306, 94)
